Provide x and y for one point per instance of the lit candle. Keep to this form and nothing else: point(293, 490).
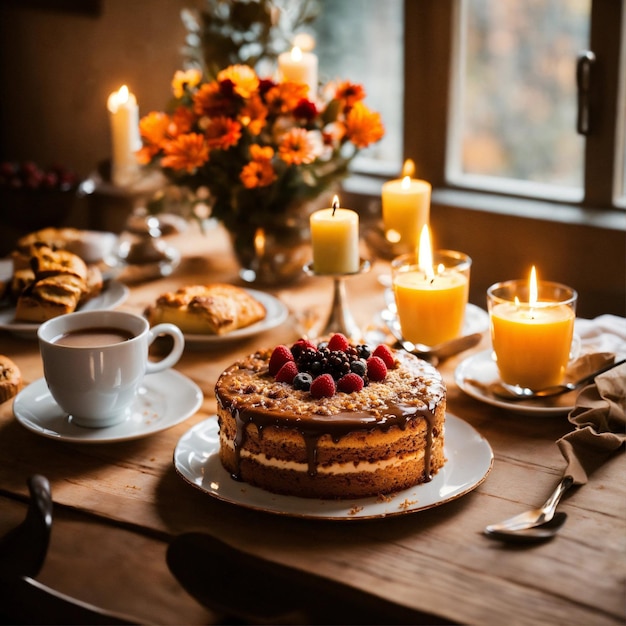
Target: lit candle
point(335, 239)
point(405, 207)
point(532, 325)
point(431, 299)
point(299, 67)
point(124, 120)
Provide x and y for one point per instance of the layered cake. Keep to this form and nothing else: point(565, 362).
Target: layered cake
point(331, 420)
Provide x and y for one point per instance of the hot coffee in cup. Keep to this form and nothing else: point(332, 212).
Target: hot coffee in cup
point(94, 362)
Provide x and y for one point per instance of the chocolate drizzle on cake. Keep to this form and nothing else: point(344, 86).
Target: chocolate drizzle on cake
point(336, 426)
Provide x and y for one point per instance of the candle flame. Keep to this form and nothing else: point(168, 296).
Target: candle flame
point(425, 254)
point(296, 54)
point(532, 287)
point(406, 182)
point(335, 204)
point(408, 169)
point(122, 94)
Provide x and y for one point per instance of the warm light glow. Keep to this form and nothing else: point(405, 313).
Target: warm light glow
point(408, 169)
point(336, 204)
point(393, 236)
point(296, 54)
point(122, 94)
point(425, 254)
point(406, 182)
point(532, 294)
point(118, 99)
point(259, 242)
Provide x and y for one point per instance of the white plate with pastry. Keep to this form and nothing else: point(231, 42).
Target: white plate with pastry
point(216, 313)
point(113, 294)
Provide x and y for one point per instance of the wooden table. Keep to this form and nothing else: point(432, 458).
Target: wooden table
point(117, 505)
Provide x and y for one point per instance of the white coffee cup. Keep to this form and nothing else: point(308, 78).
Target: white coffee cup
point(94, 362)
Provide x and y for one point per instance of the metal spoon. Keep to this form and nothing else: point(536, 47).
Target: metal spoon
point(514, 392)
point(534, 517)
point(542, 532)
point(434, 353)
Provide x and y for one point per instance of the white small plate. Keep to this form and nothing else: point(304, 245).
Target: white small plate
point(111, 296)
point(275, 314)
point(164, 400)
point(475, 373)
point(469, 461)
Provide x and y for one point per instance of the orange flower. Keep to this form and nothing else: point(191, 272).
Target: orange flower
point(210, 101)
point(186, 152)
point(285, 97)
point(182, 121)
point(297, 148)
point(222, 133)
point(261, 153)
point(363, 126)
point(350, 93)
point(185, 79)
point(243, 78)
point(153, 127)
point(257, 174)
point(254, 115)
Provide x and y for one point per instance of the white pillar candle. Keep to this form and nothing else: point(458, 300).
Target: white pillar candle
point(406, 209)
point(299, 67)
point(125, 138)
point(335, 239)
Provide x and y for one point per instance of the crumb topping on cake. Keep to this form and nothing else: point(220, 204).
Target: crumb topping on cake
point(248, 384)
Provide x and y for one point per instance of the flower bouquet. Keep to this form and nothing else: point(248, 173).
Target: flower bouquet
point(259, 146)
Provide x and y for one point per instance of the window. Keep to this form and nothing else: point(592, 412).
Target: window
point(485, 96)
point(362, 41)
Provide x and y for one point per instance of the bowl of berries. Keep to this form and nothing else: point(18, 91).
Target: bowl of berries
point(33, 197)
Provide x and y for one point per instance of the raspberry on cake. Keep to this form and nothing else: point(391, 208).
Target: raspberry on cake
point(331, 420)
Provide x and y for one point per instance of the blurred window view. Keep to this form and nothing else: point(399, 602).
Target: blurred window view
point(363, 41)
point(514, 102)
point(512, 106)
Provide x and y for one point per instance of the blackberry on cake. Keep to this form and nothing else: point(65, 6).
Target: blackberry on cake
point(331, 420)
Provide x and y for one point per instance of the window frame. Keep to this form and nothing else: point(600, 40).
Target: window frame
point(429, 35)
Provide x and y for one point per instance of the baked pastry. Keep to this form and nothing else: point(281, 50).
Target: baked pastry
point(214, 309)
point(10, 378)
point(56, 238)
point(331, 421)
point(49, 297)
point(48, 262)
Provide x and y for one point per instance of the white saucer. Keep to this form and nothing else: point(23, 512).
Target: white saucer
point(165, 399)
point(275, 314)
point(475, 373)
point(470, 459)
point(111, 296)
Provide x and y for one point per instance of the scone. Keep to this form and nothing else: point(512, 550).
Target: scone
point(214, 309)
point(10, 378)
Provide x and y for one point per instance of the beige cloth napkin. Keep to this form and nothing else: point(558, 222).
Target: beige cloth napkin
point(599, 417)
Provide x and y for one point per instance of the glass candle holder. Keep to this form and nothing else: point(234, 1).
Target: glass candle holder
point(431, 307)
point(531, 337)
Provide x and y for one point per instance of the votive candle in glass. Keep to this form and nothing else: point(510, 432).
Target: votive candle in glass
point(431, 303)
point(532, 327)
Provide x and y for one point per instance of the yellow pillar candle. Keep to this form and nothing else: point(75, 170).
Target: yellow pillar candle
point(405, 208)
point(335, 239)
point(124, 121)
point(299, 67)
point(431, 299)
point(531, 338)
